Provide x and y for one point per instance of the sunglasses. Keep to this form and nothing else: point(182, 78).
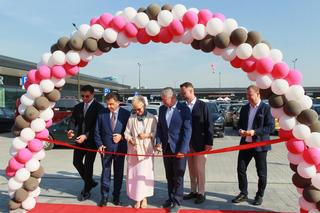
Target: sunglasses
point(85, 96)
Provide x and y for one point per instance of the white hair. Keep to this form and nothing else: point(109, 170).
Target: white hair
point(168, 92)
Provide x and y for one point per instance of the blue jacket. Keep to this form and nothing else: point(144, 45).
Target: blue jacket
point(178, 134)
point(263, 124)
point(103, 132)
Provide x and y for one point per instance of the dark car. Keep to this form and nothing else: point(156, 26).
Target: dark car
point(63, 108)
point(316, 107)
point(217, 118)
point(6, 119)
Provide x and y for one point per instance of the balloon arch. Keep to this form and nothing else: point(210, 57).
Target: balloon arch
point(206, 31)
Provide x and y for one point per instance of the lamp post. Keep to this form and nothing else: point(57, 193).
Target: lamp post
point(139, 65)
point(294, 63)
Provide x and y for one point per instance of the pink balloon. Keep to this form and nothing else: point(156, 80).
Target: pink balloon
point(176, 28)
point(294, 77)
point(280, 70)
point(249, 65)
point(190, 19)
point(105, 20)
point(264, 65)
point(312, 155)
point(14, 164)
point(48, 123)
point(10, 172)
point(32, 77)
point(24, 155)
point(35, 145)
point(143, 37)
point(58, 72)
point(295, 146)
point(165, 35)
point(94, 20)
point(219, 16)
point(44, 72)
point(27, 84)
point(71, 69)
point(42, 134)
point(118, 23)
point(204, 16)
point(130, 30)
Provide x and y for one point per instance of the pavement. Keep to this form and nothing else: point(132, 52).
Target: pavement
point(61, 182)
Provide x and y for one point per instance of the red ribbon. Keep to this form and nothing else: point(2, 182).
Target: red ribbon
point(214, 151)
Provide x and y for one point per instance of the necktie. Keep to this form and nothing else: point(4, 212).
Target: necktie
point(113, 121)
point(85, 109)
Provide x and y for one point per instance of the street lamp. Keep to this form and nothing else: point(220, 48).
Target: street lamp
point(139, 75)
point(294, 63)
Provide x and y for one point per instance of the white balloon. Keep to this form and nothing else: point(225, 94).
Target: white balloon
point(229, 53)
point(287, 122)
point(165, 17)
point(35, 193)
point(306, 170)
point(98, 52)
point(316, 181)
point(301, 131)
point(11, 193)
point(32, 165)
point(313, 140)
point(19, 143)
point(110, 35)
point(95, 31)
point(261, 50)
point(38, 125)
point(277, 112)
point(83, 30)
point(294, 159)
point(45, 58)
point(153, 28)
point(21, 109)
point(40, 155)
point(264, 81)
point(141, 20)
point(122, 40)
point(29, 203)
point(46, 114)
point(199, 32)
point(27, 134)
point(187, 37)
point(34, 91)
point(195, 10)
point(46, 85)
point(230, 25)
point(129, 13)
point(177, 39)
point(58, 82)
point(244, 51)
point(119, 13)
point(276, 55)
point(218, 51)
point(22, 175)
point(305, 102)
point(58, 58)
point(295, 92)
point(305, 204)
point(73, 57)
point(279, 86)
point(86, 56)
point(253, 76)
point(52, 104)
point(26, 100)
point(14, 185)
point(13, 151)
point(178, 11)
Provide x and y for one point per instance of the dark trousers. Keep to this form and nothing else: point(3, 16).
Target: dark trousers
point(175, 169)
point(118, 167)
point(244, 159)
point(83, 161)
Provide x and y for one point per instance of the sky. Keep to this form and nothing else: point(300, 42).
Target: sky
point(29, 28)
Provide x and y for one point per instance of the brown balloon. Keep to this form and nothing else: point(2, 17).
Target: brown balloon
point(90, 44)
point(142, 10)
point(254, 38)
point(31, 184)
point(15, 130)
point(63, 44)
point(41, 103)
point(153, 10)
point(31, 113)
point(167, 7)
point(104, 46)
point(207, 44)
point(292, 108)
point(315, 127)
point(238, 36)
point(265, 93)
point(293, 167)
point(115, 45)
point(308, 117)
point(311, 194)
point(195, 44)
point(14, 205)
point(222, 40)
point(300, 182)
point(76, 43)
point(38, 173)
point(276, 101)
point(53, 96)
point(54, 48)
point(21, 123)
point(20, 195)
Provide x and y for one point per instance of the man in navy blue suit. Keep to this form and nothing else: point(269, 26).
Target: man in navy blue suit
point(110, 126)
point(174, 134)
point(255, 124)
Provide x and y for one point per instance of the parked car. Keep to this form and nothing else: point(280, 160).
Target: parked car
point(63, 108)
point(157, 103)
point(316, 107)
point(228, 110)
point(6, 119)
point(217, 118)
point(153, 109)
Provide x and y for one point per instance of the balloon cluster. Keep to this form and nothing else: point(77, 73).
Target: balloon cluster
point(203, 30)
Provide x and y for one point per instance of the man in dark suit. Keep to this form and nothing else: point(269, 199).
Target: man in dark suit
point(174, 133)
point(83, 121)
point(201, 140)
point(109, 136)
point(255, 124)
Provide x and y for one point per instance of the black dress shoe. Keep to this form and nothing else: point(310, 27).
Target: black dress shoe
point(116, 201)
point(200, 199)
point(257, 201)
point(103, 201)
point(84, 196)
point(240, 198)
point(191, 195)
point(167, 204)
point(174, 208)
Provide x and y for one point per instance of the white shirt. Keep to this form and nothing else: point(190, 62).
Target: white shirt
point(252, 114)
point(191, 105)
point(169, 113)
point(87, 105)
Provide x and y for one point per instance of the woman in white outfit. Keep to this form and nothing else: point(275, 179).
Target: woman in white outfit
point(140, 134)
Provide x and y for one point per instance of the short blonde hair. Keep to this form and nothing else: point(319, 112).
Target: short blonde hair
point(138, 100)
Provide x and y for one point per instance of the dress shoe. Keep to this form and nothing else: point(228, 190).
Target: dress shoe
point(174, 208)
point(191, 195)
point(240, 198)
point(167, 204)
point(116, 201)
point(200, 199)
point(84, 196)
point(257, 201)
point(103, 202)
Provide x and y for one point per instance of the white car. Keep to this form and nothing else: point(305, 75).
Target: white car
point(153, 109)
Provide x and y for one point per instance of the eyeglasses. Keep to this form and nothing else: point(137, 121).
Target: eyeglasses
point(138, 110)
point(85, 96)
